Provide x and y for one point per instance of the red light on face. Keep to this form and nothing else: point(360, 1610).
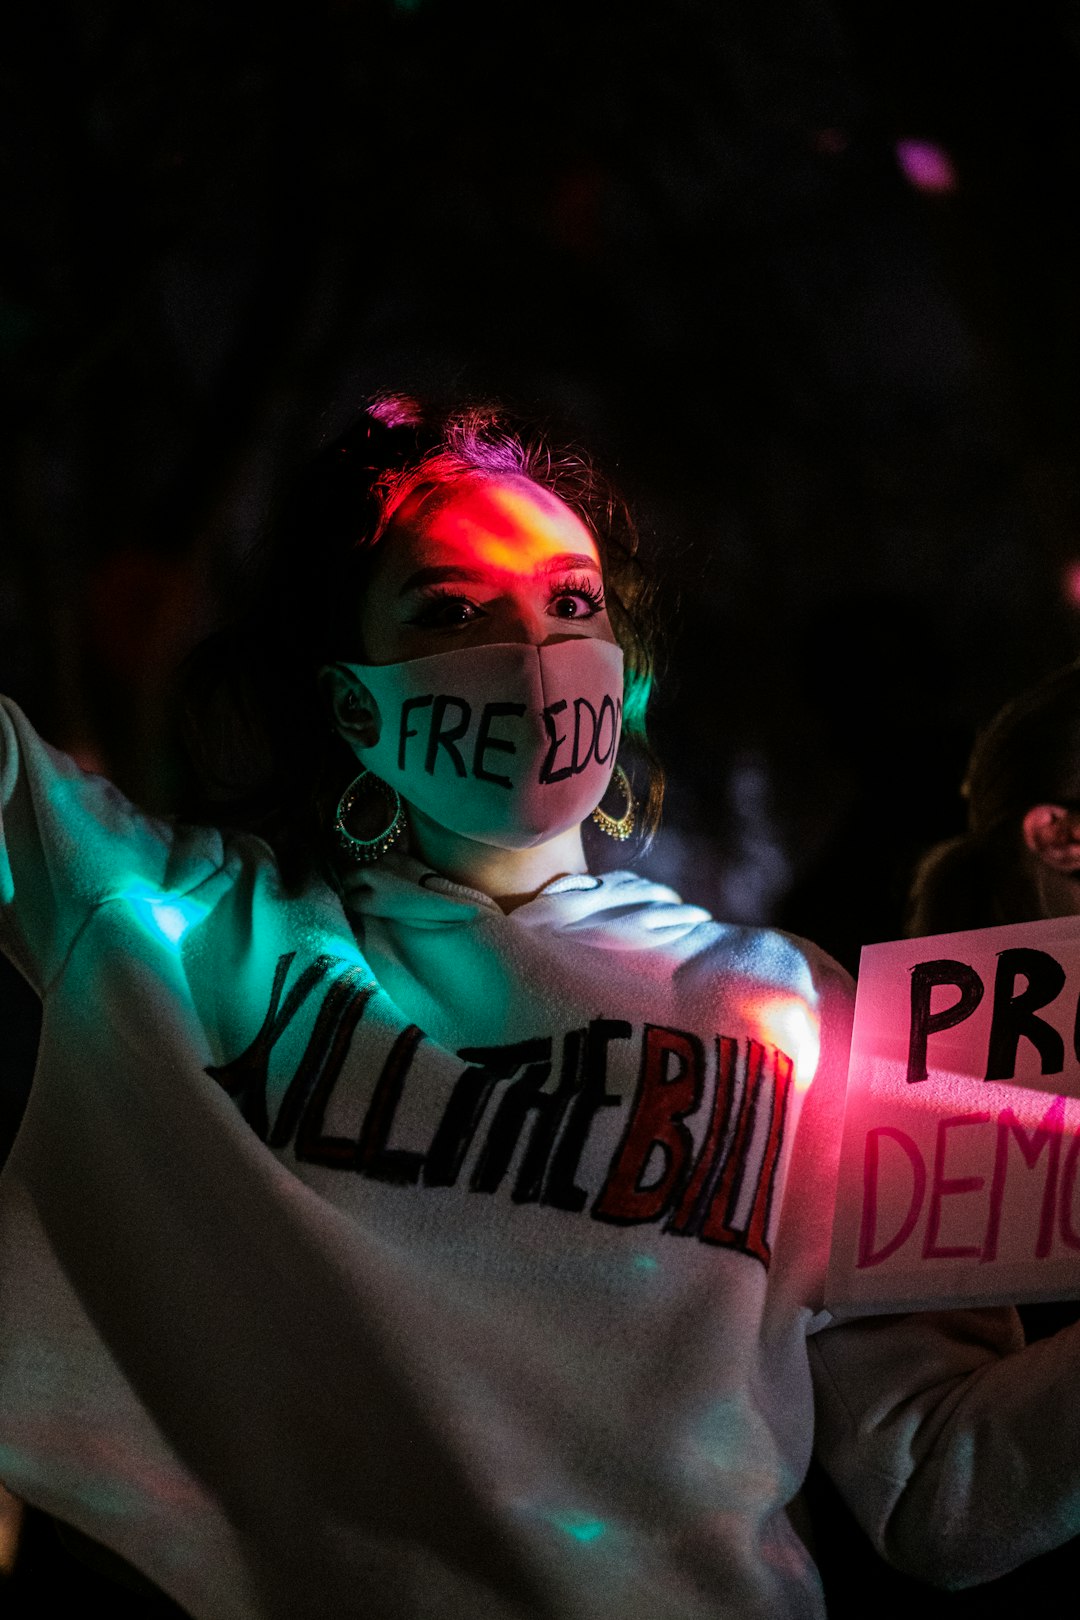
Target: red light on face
point(1070, 583)
point(926, 166)
point(482, 559)
point(507, 525)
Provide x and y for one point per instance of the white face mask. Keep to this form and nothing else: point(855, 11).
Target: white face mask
point(509, 744)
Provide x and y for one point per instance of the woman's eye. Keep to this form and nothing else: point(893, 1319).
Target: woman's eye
point(572, 607)
point(445, 613)
point(577, 599)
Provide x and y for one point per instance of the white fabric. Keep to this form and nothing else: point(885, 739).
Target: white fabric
point(339, 1276)
point(511, 743)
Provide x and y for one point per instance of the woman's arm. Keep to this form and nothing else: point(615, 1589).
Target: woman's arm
point(957, 1448)
point(68, 841)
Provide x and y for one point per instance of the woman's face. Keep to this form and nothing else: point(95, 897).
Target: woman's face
point(498, 762)
point(485, 559)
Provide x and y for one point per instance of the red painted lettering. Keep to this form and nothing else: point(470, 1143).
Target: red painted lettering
point(719, 1224)
point(868, 1255)
point(757, 1227)
point(1069, 1235)
point(663, 1100)
point(950, 1187)
point(1047, 1134)
point(687, 1217)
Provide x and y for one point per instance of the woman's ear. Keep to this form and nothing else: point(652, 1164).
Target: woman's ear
point(353, 709)
point(1052, 834)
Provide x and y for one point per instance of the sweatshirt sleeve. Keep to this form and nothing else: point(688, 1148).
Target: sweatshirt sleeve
point(806, 1212)
point(955, 1446)
point(70, 840)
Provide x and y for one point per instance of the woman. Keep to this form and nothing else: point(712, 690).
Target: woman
point(405, 1219)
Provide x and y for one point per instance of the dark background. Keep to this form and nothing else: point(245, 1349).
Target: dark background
point(835, 370)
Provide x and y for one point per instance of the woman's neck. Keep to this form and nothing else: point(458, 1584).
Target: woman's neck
point(509, 876)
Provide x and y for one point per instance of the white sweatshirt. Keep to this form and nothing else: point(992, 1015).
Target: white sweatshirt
point(404, 1258)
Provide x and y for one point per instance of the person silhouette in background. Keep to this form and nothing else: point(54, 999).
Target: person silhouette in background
point(1018, 860)
point(1019, 857)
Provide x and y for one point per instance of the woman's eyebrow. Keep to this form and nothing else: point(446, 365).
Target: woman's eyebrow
point(439, 574)
point(570, 559)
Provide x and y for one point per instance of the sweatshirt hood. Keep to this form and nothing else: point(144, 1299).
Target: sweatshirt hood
point(629, 912)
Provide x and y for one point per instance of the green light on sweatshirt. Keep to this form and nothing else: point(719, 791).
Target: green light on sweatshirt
point(578, 1526)
point(164, 917)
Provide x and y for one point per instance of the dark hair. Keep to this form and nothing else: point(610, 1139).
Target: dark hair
point(1028, 754)
point(265, 754)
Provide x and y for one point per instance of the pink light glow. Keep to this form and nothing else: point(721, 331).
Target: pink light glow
point(925, 166)
point(1070, 583)
point(787, 1022)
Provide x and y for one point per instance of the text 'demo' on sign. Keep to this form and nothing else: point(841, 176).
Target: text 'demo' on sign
point(959, 1173)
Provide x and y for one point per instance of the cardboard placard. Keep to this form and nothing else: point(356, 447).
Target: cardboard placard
point(959, 1174)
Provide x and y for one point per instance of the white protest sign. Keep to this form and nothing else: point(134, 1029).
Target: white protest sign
point(960, 1164)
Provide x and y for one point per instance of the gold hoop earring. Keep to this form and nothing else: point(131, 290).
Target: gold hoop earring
point(623, 826)
point(366, 850)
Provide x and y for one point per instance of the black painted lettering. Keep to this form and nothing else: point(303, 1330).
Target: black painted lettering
point(485, 741)
point(589, 1048)
point(405, 731)
point(525, 1095)
point(607, 713)
point(925, 977)
point(583, 751)
point(550, 1112)
point(1014, 1016)
point(555, 741)
point(445, 736)
point(323, 1060)
point(322, 1050)
point(400, 1166)
point(466, 1107)
point(245, 1078)
point(462, 1115)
